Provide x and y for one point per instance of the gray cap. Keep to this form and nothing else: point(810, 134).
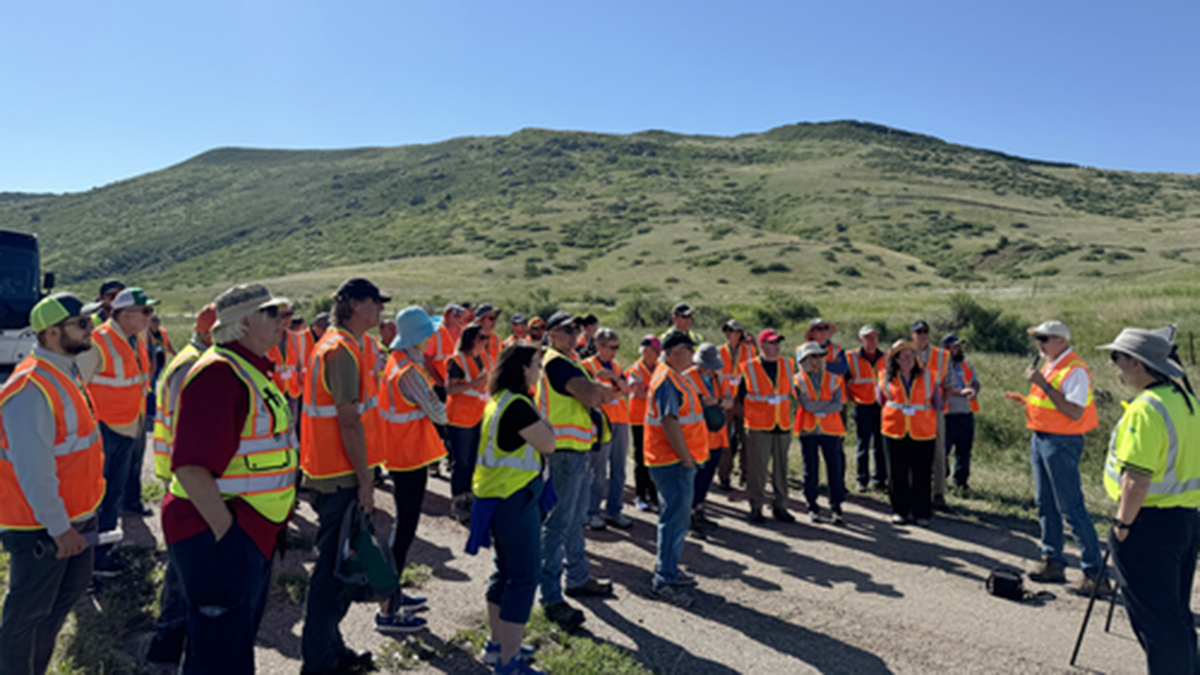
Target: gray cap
point(1051, 328)
point(1149, 347)
point(708, 356)
point(867, 330)
point(809, 349)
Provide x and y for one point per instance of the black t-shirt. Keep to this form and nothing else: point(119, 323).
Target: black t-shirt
point(454, 372)
point(561, 371)
point(518, 415)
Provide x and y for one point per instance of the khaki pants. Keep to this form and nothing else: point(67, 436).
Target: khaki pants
point(767, 448)
point(939, 459)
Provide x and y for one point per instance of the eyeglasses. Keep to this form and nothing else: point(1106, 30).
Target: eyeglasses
point(1115, 356)
point(1042, 338)
point(287, 315)
point(922, 331)
point(83, 323)
point(272, 311)
point(147, 311)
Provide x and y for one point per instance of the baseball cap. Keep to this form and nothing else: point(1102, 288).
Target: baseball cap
point(917, 325)
point(676, 338)
point(867, 330)
point(560, 320)
point(818, 323)
point(682, 309)
point(111, 285)
point(205, 318)
point(1052, 327)
point(241, 301)
point(517, 319)
point(54, 308)
point(132, 297)
point(651, 341)
point(769, 335)
point(357, 288)
point(733, 326)
point(485, 309)
point(950, 339)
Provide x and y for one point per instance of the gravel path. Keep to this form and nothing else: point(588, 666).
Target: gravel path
point(868, 597)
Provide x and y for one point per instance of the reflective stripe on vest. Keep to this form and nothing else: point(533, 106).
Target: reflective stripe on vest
point(658, 450)
point(263, 470)
point(1042, 415)
point(1170, 484)
point(910, 413)
point(498, 474)
point(826, 423)
point(766, 399)
point(323, 454)
point(573, 427)
point(410, 440)
point(166, 399)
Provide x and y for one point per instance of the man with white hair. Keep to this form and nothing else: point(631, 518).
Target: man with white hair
point(234, 461)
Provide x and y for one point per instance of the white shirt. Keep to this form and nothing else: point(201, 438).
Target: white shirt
point(1076, 385)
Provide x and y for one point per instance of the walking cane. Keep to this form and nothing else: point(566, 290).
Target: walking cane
point(1091, 602)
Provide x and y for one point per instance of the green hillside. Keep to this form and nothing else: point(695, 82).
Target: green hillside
point(840, 204)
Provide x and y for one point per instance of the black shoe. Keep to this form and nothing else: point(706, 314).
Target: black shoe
point(756, 517)
point(564, 615)
point(351, 661)
point(783, 516)
point(704, 521)
point(725, 486)
point(939, 504)
point(167, 647)
point(592, 588)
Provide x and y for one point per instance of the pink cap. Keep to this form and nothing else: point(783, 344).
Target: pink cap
point(651, 341)
point(769, 335)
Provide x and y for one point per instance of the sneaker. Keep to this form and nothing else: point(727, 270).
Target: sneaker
point(641, 504)
point(756, 517)
point(596, 523)
point(411, 602)
point(518, 666)
point(491, 653)
point(400, 622)
point(898, 519)
point(838, 519)
point(696, 532)
point(1046, 572)
point(1103, 587)
point(564, 615)
point(923, 522)
point(592, 588)
point(862, 486)
point(685, 578)
point(814, 515)
point(705, 521)
point(783, 516)
point(619, 521)
point(674, 596)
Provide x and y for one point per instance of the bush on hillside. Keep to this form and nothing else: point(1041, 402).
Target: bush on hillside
point(642, 311)
point(779, 308)
point(987, 330)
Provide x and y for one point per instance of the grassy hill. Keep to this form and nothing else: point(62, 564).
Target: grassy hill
point(834, 205)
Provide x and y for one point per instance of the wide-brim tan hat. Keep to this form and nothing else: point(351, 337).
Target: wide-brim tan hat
point(1149, 347)
point(901, 345)
point(243, 300)
point(809, 349)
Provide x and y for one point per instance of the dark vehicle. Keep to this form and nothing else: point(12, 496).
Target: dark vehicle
point(21, 286)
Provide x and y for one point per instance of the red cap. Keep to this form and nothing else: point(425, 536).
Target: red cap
point(206, 318)
point(769, 335)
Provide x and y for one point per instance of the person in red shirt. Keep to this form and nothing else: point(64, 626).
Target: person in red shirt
point(220, 523)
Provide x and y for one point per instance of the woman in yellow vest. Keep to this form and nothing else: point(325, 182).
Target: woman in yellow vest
point(408, 410)
point(507, 485)
point(1153, 472)
point(466, 397)
point(909, 397)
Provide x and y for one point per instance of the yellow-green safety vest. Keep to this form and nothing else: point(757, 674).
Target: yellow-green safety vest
point(498, 474)
point(166, 396)
point(572, 422)
point(263, 471)
point(1176, 480)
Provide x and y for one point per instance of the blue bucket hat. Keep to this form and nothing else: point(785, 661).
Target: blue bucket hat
point(412, 326)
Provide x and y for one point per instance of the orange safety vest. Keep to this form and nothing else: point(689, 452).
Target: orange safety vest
point(968, 375)
point(910, 413)
point(937, 361)
point(1040, 413)
point(118, 389)
point(731, 370)
point(617, 409)
point(284, 376)
point(828, 423)
point(441, 348)
point(411, 440)
point(512, 340)
point(864, 374)
point(322, 454)
point(77, 449)
point(301, 348)
point(465, 409)
point(493, 351)
point(768, 404)
point(637, 404)
point(716, 439)
point(658, 451)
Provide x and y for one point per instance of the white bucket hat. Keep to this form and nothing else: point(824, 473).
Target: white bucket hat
point(1149, 347)
point(242, 300)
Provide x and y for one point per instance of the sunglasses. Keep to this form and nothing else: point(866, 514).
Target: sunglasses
point(1042, 338)
point(1116, 356)
point(922, 331)
point(83, 323)
point(147, 311)
point(272, 311)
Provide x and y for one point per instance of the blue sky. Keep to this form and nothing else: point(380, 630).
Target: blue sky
point(95, 92)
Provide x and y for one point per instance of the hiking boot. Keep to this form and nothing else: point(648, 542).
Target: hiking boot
point(685, 578)
point(674, 596)
point(705, 521)
point(596, 523)
point(564, 615)
point(783, 516)
point(460, 509)
point(1046, 572)
point(756, 517)
point(619, 521)
point(923, 522)
point(838, 518)
point(491, 653)
point(939, 504)
point(1102, 587)
point(592, 588)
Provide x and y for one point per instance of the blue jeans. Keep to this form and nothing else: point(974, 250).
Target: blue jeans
point(867, 424)
point(675, 483)
point(463, 445)
point(41, 592)
point(829, 447)
point(226, 584)
point(562, 530)
point(321, 642)
point(118, 455)
point(1055, 461)
point(516, 551)
point(1157, 561)
point(704, 476)
point(607, 467)
point(960, 438)
point(170, 628)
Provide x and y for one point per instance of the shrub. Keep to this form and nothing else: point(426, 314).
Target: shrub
point(848, 271)
point(987, 330)
point(642, 311)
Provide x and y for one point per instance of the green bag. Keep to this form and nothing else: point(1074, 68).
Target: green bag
point(363, 564)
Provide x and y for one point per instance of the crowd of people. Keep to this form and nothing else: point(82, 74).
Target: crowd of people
point(536, 431)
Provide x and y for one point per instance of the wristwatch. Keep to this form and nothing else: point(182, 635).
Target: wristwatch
point(1118, 525)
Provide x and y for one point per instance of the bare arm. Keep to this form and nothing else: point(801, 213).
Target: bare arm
point(540, 435)
point(590, 394)
point(202, 491)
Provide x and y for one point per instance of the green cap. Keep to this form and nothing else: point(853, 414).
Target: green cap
point(53, 309)
point(132, 297)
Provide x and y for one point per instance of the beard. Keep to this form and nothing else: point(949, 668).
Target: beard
point(957, 358)
point(75, 347)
